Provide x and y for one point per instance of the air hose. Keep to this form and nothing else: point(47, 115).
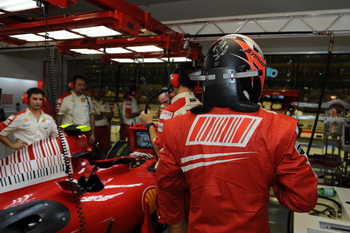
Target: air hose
point(66, 157)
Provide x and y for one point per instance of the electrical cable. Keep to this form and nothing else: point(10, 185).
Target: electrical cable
point(153, 96)
point(163, 90)
point(329, 211)
point(100, 73)
point(66, 158)
point(143, 79)
point(116, 84)
point(326, 74)
point(340, 211)
point(158, 93)
point(137, 67)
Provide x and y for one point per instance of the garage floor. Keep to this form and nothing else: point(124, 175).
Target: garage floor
point(278, 217)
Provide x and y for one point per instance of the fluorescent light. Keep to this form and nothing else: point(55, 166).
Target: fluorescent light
point(97, 31)
point(123, 60)
point(17, 5)
point(116, 50)
point(62, 35)
point(149, 60)
point(145, 49)
point(28, 37)
point(177, 59)
point(86, 51)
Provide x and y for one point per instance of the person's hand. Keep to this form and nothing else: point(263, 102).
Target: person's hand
point(146, 118)
point(92, 139)
point(19, 145)
point(159, 112)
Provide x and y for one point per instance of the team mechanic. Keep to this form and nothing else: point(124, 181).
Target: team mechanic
point(228, 152)
point(30, 125)
point(184, 99)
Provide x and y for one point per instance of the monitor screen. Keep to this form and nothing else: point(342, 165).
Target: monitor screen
point(142, 140)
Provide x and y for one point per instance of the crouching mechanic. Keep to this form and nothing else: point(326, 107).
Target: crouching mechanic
point(228, 151)
point(183, 101)
point(30, 125)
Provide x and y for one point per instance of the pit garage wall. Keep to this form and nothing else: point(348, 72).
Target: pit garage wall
point(20, 68)
point(16, 76)
point(29, 64)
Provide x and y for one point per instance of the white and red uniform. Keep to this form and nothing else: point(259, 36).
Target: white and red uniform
point(102, 129)
point(27, 128)
point(130, 106)
point(180, 104)
point(75, 109)
point(228, 161)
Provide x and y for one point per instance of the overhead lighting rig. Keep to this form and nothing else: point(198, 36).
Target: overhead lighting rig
point(86, 25)
point(162, 48)
point(116, 32)
point(7, 6)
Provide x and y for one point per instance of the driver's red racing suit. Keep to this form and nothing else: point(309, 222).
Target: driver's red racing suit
point(229, 160)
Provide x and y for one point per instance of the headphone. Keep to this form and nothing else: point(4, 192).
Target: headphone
point(168, 91)
point(174, 78)
point(71, 85)
point(30, 91)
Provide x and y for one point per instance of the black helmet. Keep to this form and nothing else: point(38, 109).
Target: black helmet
point(234, 74)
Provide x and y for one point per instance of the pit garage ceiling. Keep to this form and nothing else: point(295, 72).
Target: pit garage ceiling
point(279, 26)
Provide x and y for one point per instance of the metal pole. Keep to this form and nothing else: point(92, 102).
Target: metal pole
point(323, 87)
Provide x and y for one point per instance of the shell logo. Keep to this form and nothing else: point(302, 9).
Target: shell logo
point(149, 197)
point(44, 120)
point(25, 119)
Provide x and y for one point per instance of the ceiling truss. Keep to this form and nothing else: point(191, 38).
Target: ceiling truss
point(315, 24)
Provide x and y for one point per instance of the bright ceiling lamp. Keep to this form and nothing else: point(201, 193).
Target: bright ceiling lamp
point(145, 49)
point(62, 35)
point(123, 60)
point(98, 31)
point(28, 37)
point(115, 50)
point(177, 59)
point(86, 51)
point(17, 5)
point(149, 60)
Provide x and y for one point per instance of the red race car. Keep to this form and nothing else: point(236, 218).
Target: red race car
point(112, 195)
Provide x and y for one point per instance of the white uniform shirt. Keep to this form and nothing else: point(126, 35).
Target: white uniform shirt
point(131, 104)
point(101, 106)
point(27, 128)
point(75, 109)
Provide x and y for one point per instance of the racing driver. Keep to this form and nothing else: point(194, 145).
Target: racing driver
point(228, 152)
